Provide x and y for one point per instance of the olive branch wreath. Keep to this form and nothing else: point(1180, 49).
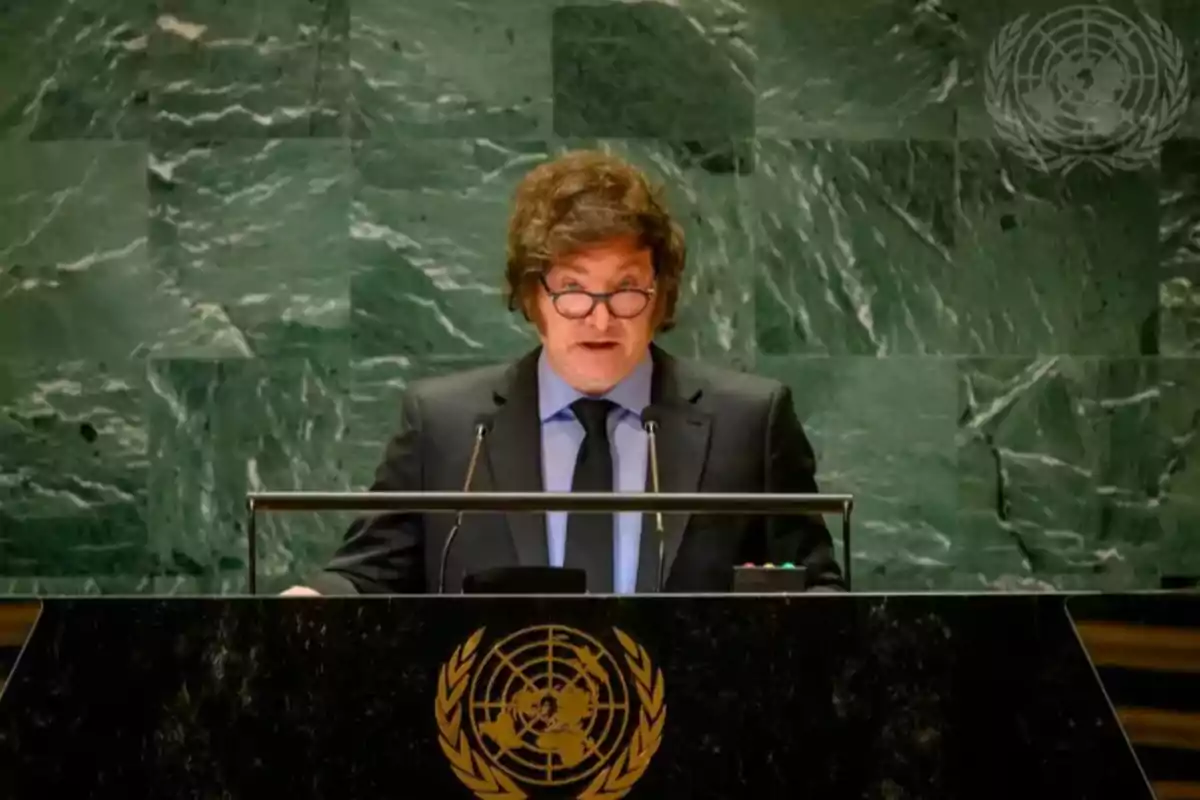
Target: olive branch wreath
point(489, 783)
point(1139, 146)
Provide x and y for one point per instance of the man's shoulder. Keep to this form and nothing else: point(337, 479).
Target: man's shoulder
point(727, 384)
point(725, 390)
point(452, 400)
point(455, 385)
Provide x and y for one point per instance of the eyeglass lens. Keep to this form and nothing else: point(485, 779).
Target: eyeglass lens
point(625, 303)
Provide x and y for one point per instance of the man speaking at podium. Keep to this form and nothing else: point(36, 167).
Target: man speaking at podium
point(595, 263)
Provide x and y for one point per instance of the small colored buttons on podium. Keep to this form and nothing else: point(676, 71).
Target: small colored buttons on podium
point(789, 565)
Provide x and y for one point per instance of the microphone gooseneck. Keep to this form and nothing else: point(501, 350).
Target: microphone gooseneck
point(651, 426)
point(481, 431)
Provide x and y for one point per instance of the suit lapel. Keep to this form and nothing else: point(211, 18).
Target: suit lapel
point(515, 455)
point(682, 455)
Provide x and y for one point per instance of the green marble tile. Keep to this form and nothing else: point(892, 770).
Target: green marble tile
point(220, 428)
point(883, 430)
point(1178, 467)
point(1182, 19)
point(235, 70)
point(427, 242)
point(75, 278)
point(74, 70)
point(253, 233)
point(87, 586)
point(72, 471)
point(430, 68)
point(651, 70)
point(1179, 287)
point(1081, 463)
point(1179, 307)
point(315, 213)
point(1052, 263)
point(855, 248)
point(218, 583)
point(452, 164)
point(855, 70)
point(1021, 55)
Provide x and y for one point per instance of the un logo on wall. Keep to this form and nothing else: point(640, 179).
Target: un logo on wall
point(550, 707)
point(1086, 84)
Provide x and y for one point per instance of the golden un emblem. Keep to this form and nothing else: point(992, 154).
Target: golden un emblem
point(549, 707)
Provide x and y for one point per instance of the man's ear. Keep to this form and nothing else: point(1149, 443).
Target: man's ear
point(529, 308)
point(659, 315)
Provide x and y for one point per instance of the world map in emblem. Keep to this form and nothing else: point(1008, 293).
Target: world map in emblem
point(550, 706)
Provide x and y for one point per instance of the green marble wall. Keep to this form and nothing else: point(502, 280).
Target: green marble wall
point(230, 233)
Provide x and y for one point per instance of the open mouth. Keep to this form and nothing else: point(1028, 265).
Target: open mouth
point(598, 347)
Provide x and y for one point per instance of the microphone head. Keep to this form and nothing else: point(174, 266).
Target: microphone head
point(652, 417)
point(483, 423)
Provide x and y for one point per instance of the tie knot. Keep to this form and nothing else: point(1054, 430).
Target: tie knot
point(593, 414)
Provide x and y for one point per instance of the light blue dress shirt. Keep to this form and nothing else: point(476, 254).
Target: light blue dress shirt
point(562, 435)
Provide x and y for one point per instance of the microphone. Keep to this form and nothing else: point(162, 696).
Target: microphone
point(651, 421)
point(483, 424)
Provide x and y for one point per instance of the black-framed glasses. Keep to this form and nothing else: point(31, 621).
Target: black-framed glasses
point(579, 303)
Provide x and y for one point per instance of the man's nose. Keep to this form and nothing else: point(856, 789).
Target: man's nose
point(600, 317)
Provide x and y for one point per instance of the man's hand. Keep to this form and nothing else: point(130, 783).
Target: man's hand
point(300, 591)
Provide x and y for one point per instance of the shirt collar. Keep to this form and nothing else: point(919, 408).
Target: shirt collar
point(555, 395)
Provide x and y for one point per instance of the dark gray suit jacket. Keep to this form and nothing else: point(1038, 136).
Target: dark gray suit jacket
point(721, 431)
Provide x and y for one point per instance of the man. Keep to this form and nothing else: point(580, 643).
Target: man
point(595, 262)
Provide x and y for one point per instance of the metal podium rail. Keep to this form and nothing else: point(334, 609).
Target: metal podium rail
point(540, 502)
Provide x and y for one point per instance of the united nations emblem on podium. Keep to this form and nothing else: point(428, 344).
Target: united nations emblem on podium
point(550, 709)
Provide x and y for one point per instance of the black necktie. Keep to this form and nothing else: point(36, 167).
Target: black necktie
point(590, 536)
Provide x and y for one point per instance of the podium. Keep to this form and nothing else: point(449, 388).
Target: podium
point(871, 697)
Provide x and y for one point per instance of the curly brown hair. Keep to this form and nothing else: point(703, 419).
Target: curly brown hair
point(581, 199)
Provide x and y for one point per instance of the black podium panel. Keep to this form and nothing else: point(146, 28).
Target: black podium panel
point(819, 696)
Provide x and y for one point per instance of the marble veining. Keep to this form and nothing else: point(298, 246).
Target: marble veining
point(231, 234)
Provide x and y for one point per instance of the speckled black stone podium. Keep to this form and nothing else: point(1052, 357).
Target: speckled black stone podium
point(822, 696)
